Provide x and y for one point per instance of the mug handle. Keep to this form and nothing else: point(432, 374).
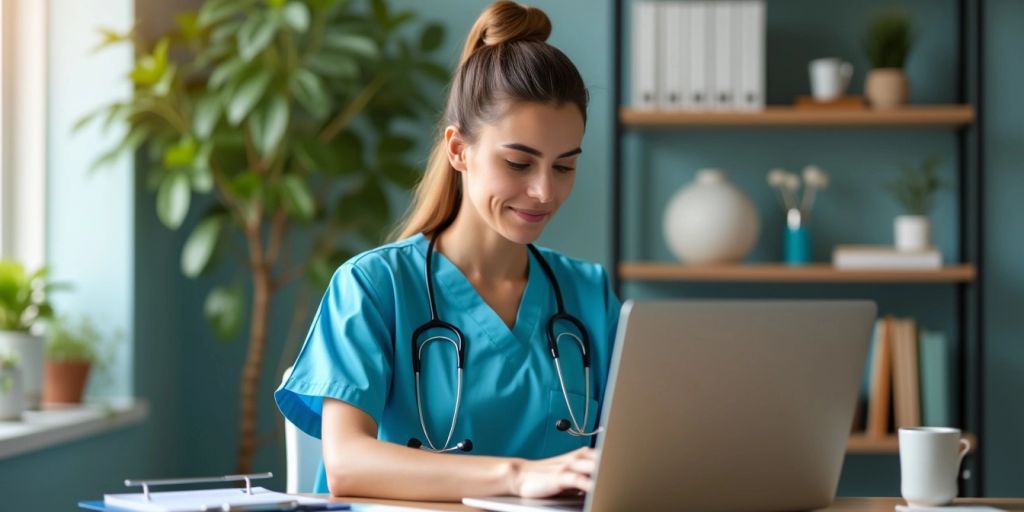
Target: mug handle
point(845, 73)
point(965, 446)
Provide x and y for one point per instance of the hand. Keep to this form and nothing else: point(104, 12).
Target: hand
point(548, 477)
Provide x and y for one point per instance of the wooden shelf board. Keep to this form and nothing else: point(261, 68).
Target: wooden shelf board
point(913, 115)
point(863, 443)
point(781, 273)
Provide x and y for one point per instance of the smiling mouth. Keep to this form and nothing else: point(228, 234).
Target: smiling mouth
point(531, 215)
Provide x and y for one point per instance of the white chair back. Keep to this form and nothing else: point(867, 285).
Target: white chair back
point(302, 454)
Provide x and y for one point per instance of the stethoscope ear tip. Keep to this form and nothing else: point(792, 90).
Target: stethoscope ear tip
point(414, 443)
point(466, 445)
point(562, 424)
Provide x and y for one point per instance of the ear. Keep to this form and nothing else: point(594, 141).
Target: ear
point(456, 147)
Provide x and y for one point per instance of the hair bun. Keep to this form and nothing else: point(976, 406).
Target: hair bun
point(505, 21)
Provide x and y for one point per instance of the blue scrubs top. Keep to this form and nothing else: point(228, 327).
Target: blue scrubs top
point(359, 350)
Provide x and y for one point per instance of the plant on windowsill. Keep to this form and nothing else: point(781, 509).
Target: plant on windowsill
point(23, 307)
point(915, 190)
point(283, 118)
point(887, 45)
point(72, 350)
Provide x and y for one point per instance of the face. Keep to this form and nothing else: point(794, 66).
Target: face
point(520, 169)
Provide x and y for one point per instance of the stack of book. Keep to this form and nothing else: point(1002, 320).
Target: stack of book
point(907, 381)
point(698, 55)
point(851, 257)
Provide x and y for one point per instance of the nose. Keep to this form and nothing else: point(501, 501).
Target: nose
point(540, 187)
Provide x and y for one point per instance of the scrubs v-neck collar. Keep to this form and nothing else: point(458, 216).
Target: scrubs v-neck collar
point(455, 293)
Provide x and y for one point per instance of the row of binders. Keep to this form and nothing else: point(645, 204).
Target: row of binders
point(698, 55)
point(907, 381)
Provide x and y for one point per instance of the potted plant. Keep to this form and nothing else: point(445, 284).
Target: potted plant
point(71, 351)
point(12, 396)
point(915, 190)
point(276, 120)
point(22, 306)
point(887, 44)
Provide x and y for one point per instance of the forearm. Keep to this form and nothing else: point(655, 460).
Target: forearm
point(368, 467)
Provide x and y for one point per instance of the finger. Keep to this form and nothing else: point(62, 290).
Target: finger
point(571, 480)
point(586, 453)
point(583, 466)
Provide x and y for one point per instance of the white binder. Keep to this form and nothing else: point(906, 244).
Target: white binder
point(670, 45)
point(644, 70)
point(751, 93)
point(722, 58)
point(699, 48)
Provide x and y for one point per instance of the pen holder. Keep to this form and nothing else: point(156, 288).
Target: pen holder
point(797, 246)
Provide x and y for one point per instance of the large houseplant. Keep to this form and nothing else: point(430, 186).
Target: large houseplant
point(287, 115)
point(23, 306)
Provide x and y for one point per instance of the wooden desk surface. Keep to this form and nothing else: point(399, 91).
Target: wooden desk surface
point(840, 505)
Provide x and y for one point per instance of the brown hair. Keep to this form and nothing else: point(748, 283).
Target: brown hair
point(505, 59)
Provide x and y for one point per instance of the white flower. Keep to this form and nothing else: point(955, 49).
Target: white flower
point(792, 182)
point(815, 177)
point(777, 177)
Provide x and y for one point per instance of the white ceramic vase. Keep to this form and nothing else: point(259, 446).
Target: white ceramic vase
point(30, 351)
point(12, 393)
point(711, 221)
point(912, 232)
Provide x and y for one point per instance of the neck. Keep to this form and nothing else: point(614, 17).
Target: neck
point(480, 253)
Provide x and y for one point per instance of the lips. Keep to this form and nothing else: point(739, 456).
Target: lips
point(531, 215)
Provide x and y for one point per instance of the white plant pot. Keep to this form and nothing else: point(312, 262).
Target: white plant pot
point(30, 351)
point(913, 232)
point(711, 221)
point(12, 394)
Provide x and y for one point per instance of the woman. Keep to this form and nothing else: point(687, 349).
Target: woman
point(399, 415)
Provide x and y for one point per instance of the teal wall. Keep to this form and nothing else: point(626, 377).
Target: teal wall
point(192, 380)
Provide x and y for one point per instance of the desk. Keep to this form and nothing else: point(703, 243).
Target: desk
point(840, 505)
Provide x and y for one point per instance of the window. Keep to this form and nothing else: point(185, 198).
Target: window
point(23, 131)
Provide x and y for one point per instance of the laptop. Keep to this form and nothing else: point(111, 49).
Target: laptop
point(724, 406)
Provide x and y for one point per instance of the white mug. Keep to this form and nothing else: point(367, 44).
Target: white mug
point(929, 461)
point(829, 78)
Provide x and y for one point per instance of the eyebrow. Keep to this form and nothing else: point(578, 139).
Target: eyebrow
point(535, 152)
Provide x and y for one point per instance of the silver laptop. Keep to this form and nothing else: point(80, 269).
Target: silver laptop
point(724, 406)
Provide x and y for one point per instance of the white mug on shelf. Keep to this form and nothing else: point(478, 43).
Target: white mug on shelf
point(929, 461)
point(829, 78)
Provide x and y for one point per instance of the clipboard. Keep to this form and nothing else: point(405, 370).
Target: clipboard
point(225, 499)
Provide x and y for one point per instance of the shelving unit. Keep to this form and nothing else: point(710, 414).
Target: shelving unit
point(925, 116)
point(965, 276)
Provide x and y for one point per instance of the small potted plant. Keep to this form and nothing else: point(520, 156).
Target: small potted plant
point(887, 44)
point(23, 306)
point(915, 190)
point(12, 397)
point(71, 351)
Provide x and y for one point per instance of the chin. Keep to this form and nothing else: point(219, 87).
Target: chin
point(523, 235)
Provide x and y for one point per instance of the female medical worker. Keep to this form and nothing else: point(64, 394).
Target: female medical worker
point(431, 414)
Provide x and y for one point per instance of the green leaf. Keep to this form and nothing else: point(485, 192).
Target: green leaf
point(435, 71)
point(187, 23)
point(296, 15)
point(310, 93)
point(149, 70)
point(205, 115)
point(199, 247)
point(226, 71)
point(360, 45)
point(111, 36)
point(255, 35)
point(298, 199)
point(214, 11)
point(275, 124)
point(431, 37)
point(392, 146)
point(380, 12)
point(334, 65)
point(400, 174)
point(247, 95)
point(172, 199)
point(131, 142)
point(180, 154)
point(224, 310)
point(202, 175)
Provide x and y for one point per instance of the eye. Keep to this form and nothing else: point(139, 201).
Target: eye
point(564, 168)
point(516, 165)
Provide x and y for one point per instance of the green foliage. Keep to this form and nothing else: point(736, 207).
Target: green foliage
point(23, 297)
point(66, 341)
point(916, 187)
point(888, 40)
point(284, 113)
point(7, 362)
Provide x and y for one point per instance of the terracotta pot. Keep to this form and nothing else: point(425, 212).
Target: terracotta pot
point(886, 87)
point(65, 381)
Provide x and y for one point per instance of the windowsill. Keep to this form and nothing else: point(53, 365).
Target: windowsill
point(62, 424)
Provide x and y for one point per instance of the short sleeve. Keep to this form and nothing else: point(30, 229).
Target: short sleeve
point(347, 355)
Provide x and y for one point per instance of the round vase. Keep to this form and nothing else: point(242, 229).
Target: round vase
point(711, 221)
point(30, 351)
point(886, 88)
point(912, 232)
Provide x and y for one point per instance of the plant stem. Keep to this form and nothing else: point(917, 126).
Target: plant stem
point(341, 121)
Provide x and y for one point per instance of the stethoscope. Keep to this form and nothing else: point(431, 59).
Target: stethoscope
point(458, 341)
